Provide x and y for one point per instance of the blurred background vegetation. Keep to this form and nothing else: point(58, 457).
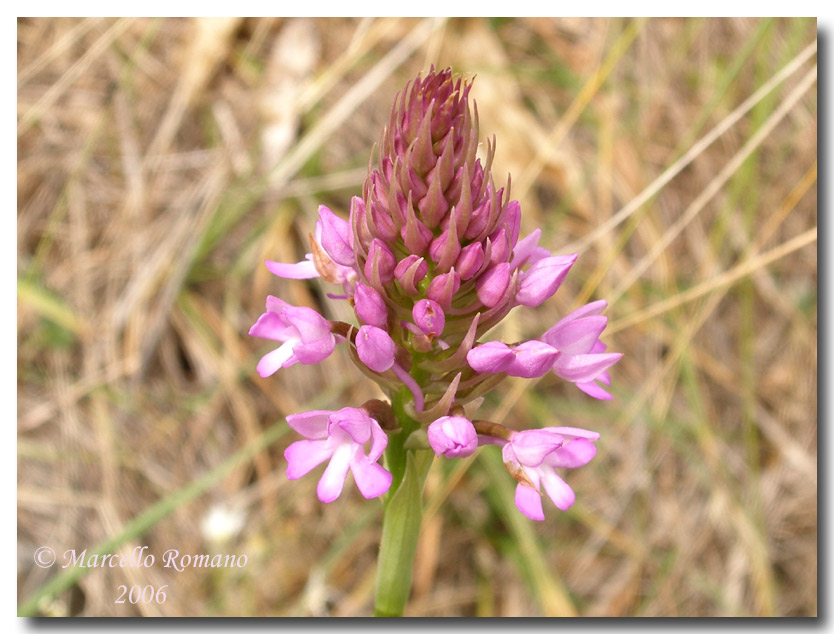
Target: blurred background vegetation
point(160, 161)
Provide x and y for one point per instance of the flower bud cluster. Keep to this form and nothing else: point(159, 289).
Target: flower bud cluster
point(430, 259)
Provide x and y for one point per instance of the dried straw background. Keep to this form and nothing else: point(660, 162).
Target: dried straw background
point(161, 160)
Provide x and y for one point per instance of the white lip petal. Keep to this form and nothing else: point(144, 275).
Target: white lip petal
point(273, 361)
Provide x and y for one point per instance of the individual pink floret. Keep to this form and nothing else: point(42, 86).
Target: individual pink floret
point(583, 360)
point(339, 437)
point(533, 456)
point(304, 335)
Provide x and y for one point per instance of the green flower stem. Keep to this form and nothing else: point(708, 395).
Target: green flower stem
point(402, 515)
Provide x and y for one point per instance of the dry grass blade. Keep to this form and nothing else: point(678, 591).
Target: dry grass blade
point(716, 184)
point(708, 139)
point(567, 121)
point(741, 270)
point(63, 43)
point(71, 75)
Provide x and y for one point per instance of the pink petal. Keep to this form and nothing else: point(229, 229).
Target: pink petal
point(275, 305)
point(316, 351)
point(305, 455)
point(453, 437)
point(335, 237)
point(532, 446)
point(354, 422)
point(281, 357)
point(371, 479)
point(310, 325)
point(312, 424)
point(333, 480)
point(369, 305)
point(578, 336)
point(379, 441)
point(299, 271)
point(592, 389)
point(557, 490)
point(529, 502)
point(527, 250)
point(271, 326)
point(543, 279)
point(573, 454)
point(584, 367)
point(573, 432)
point(493, 283)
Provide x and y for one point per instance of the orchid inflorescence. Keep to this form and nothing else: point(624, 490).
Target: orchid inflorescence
point(430, 260)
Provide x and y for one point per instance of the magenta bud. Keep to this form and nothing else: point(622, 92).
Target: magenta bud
point(369, 305)
point(453, 437)
point(543, 279)
point(478, 220)
point(415, 234)
point(445, 248)
point(500, 246)
point(381, 258)
point(470, 260)
point(491, 357)
point(429, 317)
point(409, 272)
point(375, 348)
point(335, 237)
point(443, 287)
point(380, 223)
point(492, 285)
point(532, 359)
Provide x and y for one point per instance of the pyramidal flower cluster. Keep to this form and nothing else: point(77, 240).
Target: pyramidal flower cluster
point(431, 259)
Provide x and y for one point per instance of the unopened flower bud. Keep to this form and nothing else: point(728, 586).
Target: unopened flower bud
point(380, 263)
point(470, 261)
point(375, 348)
point(453, 437)
point(429, 317)
point(370, 306)
point(492, 285)
point(543, 279)
point(335, 237)
point(443, 287)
